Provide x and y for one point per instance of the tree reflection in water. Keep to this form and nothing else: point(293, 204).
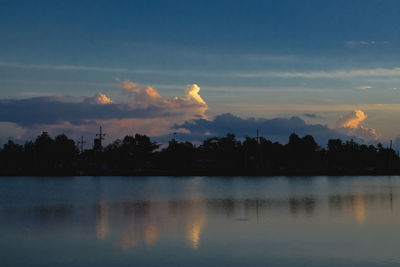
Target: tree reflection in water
point(143, 223)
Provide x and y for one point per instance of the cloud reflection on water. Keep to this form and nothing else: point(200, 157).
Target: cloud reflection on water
point(145, 223)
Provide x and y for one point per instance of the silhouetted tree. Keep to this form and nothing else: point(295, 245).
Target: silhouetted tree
point(44, 152)
point(133, 152)
point(65, 152)
point(178, 156)
point(221, 153)
point(216, 155)
point(12, 156)
point(29, 156)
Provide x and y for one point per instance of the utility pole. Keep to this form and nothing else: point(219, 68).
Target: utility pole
point(101, 135)
point(390, 156)
point(260, 156)
point(257, 137)
point(81, 143)
point(97, 141)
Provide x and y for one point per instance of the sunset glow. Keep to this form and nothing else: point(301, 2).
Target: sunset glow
point(342, 74)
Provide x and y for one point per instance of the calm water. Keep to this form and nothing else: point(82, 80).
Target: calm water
point(198, 221)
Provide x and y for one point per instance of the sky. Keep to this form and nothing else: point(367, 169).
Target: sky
point(200, 68)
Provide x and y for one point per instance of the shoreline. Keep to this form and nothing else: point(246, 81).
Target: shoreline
point(205, 173)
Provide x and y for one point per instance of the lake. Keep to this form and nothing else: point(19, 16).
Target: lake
point(200, 221)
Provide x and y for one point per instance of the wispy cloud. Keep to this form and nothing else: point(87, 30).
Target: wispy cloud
point(364, 87)
point(334, 74)
point(306, 108)
point(201, 54)
point(75, 68)
point(360, 43)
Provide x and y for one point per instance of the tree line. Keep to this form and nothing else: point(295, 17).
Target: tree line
point(138, 155)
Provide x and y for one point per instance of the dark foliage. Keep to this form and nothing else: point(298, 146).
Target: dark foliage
point(138, 155)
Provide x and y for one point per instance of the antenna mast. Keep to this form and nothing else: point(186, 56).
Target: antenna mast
point(97, 141)
point(81, 143)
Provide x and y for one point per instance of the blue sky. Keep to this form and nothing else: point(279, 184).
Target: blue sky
point(251, 58)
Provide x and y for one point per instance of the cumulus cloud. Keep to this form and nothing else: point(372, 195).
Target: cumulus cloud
point(98, 99)
point(190, 104)
point(192, 94)
point(145, 103)
point(351, 120)
point(144, 111)
point(352, 125)
point(127, 85)
point(145, 96)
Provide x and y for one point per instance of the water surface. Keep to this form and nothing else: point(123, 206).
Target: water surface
point(199, 221)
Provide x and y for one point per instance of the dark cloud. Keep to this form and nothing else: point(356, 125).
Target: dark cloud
point(310, 115)
point(277, 129)
point(51, 110)
point(141, 103)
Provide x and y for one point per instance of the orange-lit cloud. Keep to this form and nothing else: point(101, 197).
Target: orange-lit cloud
point(127, 85)
point(352, 120)
point(191, 104)
point(192, 94)
point(98, 99)
point(146, 95)
point(352, 125)
point(144, 111)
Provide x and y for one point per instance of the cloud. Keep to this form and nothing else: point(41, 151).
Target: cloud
point(50, 110)
point(333, 74)
point(127, 85)
point(352, 125)
point(192, 94)
point(365, 87)
point(11, 131)
point(360, 43)
point(98, 99)
point(143, 103)
point(190, 104)
point(351, 120)
point(311, 116)
point(147, 95)
point(276, 129)
point(144, 111)
point(75, 68)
